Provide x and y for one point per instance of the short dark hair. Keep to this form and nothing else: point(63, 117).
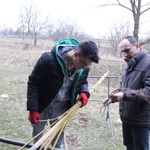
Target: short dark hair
point(89, 49)
point(131, 39)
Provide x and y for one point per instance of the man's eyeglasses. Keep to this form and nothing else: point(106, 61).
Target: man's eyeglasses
point(126, 50)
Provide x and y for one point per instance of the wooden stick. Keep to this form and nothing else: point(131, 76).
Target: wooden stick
point(64, 119)
point(99, 82)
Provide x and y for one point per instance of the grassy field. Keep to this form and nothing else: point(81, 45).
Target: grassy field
point(88, 128)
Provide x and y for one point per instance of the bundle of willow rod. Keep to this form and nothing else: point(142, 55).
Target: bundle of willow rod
point(54, 132)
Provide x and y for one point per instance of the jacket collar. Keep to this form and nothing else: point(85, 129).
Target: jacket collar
point(135, 60)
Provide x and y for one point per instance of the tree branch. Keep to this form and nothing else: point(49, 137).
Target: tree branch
point(145, 4)
point(145, 10)
point(134, 9)
point(145, 41)
point(114, 4)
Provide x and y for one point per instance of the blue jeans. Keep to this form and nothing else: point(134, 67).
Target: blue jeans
point(49, 113)
point(135, 137)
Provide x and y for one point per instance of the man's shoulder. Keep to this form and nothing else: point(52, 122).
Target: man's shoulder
point(145, 62)
point(47, 57)
point(47, 54)
point(147, 58)
point(148, 55)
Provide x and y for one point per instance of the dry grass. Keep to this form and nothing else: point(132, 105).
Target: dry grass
point(87, 130)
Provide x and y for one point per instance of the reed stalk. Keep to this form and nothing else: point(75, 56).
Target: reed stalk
point(61, 122)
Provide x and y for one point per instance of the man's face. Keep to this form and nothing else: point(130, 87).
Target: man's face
point(81, 62)
point(127, 49)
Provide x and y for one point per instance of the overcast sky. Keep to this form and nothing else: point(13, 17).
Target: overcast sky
point(94, 21)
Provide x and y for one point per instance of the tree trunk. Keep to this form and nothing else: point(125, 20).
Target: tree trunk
point(136, 27)
point(35, 39)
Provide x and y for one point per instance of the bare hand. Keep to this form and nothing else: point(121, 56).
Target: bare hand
point(106, 101)
point(116, 97)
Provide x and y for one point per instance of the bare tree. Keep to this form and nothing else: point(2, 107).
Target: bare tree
point(22, 29)
point(5, 30)
point(137, 9)
point(67, 28)
point(116, 34)
point(31, 22)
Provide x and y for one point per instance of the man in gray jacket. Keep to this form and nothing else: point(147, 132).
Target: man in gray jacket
point(134, 95)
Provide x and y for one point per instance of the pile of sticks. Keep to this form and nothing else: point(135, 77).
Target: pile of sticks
point(54, 130)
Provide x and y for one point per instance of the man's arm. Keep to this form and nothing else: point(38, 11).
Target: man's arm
point(34, 81)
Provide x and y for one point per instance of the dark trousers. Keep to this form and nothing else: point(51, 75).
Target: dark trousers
point(135, 137)
point(49, 113)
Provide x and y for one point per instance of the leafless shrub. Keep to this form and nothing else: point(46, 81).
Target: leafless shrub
point(67, 28)
point(116, 34)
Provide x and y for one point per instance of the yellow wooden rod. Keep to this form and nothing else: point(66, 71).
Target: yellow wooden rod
point(99, 82)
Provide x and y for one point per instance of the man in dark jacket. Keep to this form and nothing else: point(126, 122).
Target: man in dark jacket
point(134, 95)
point(58, 77)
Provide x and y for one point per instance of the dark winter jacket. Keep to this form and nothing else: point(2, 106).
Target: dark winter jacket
point(135, 107)
point(47, 77)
